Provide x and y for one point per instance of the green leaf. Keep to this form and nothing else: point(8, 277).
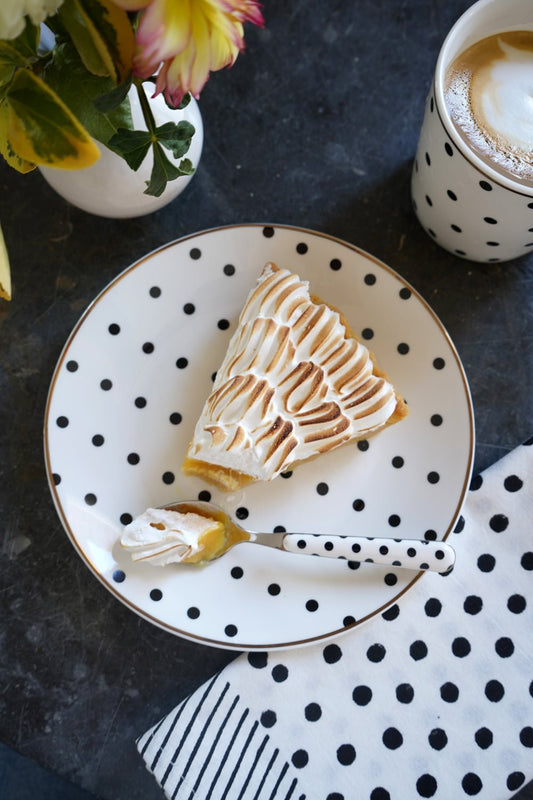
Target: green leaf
point(133, 146)
point(176, 137)
point(39, 128)
point(111, 100)
point(103, 35)
point(164, 170)
point(19, 52)
point(81, 90)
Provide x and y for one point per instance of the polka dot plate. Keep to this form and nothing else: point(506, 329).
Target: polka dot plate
point(125, 396)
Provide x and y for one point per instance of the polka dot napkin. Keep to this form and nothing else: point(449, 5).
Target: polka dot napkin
point(434, 698)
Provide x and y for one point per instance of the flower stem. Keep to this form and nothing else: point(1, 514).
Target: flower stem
point(145, 107)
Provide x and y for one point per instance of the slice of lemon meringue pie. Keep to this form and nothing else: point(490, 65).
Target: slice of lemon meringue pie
point(295, 382)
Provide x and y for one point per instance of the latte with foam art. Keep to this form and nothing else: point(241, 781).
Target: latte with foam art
point(489, 95)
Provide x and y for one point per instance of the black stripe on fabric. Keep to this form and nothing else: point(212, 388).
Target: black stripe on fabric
point(190, 726)
point(241, 756)
point(213, 746)
point(281, 775)
point(255, 761)
point(225, 756)
point(292, 787)
point(265, 775)
point(151, 736)
point(167, 735)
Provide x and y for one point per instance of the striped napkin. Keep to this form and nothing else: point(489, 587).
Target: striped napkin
point(434, 698)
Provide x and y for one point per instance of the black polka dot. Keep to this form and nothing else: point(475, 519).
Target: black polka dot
point(490, 220)
point(312, 712)
point(370, 279)
point(332, 653)
point(193, 612)
point(484, 738)
point(426, 785)
point(379, 793)
point(358, 505)
point(189, 308)
point(428, 159)
point(405, 293)
point(90, 499)
point(62, 422)
point(56, 478)
point(335, 264)
point(438, 739)
point(430, 535)
point(513, 483)
point(126, 518)
point(156, 595)
point(72, 366)
point(526, 736)
point(279, 529)
point(229, 270)
point(439, 363)
point(391, 613)
point(195, 253)
point(526, 562)
point(348, 620)
point(456, 228)
point(494, 691)
point(390, 579)
point(449, 692)
point(460, 525)
point(302, 248)
point(433, 607)
point(119, 576)
point(429, 201)
point(346, 754)
point(98, 440)
point(268, 718)
point(286, 475)
point(168, 477)
point(114, 329)
point(242, 513)
point(133, 458)
point(204, 495)
point(181, 363)
point(486, 186)
point(258, 660)
point(461, 647)
point(433, 477)
point(498, 523)
point(504, 647)
point(280, 673)
point(335, 796)
point(223, 324)
point(403, 348)
point(140, 402)
point(237, 573)
point(451, 195)
point(148, 348)
point(155, 292)
point(311, 605)
point(448, 148)
point(473, 604)
point(418, 650)
point(362, 695)
point(322, 488)
point(486, 562)
point(394, 520)
point(363, 445)
point(471, 783)
point(367, 333)
point(392, 738)
point(274, 589)
point(436, 420)
point(376, 653)
point(231, 630)
point(404, 693)
point(516, 603)
point(476, 483)
point(175, 418)
point(515, 780)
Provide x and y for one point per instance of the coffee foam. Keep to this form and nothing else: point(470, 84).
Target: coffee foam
point(489, 93)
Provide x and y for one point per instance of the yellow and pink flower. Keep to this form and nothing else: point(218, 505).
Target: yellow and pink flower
point(182, 41)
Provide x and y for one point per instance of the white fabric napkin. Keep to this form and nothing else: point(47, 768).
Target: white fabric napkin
point(434, 698)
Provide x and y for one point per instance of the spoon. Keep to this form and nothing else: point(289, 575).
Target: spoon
point(157, 537)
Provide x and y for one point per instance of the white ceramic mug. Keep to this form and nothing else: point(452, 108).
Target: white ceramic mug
point(466, 206)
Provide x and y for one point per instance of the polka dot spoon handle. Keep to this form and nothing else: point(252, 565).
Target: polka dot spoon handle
point(408, 553)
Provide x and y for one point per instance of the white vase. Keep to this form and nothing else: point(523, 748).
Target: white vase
point(110, 188)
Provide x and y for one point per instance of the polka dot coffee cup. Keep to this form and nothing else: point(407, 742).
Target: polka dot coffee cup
point(463, 203)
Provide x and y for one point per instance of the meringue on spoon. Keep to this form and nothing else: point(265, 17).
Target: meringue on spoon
point(197, 532)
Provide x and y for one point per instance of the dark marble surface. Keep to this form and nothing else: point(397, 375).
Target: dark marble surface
point(316, 125)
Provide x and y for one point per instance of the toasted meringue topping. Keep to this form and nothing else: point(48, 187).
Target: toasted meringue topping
point(293, 384)
point(160, 536)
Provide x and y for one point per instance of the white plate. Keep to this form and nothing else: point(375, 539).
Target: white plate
point(124, 400)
